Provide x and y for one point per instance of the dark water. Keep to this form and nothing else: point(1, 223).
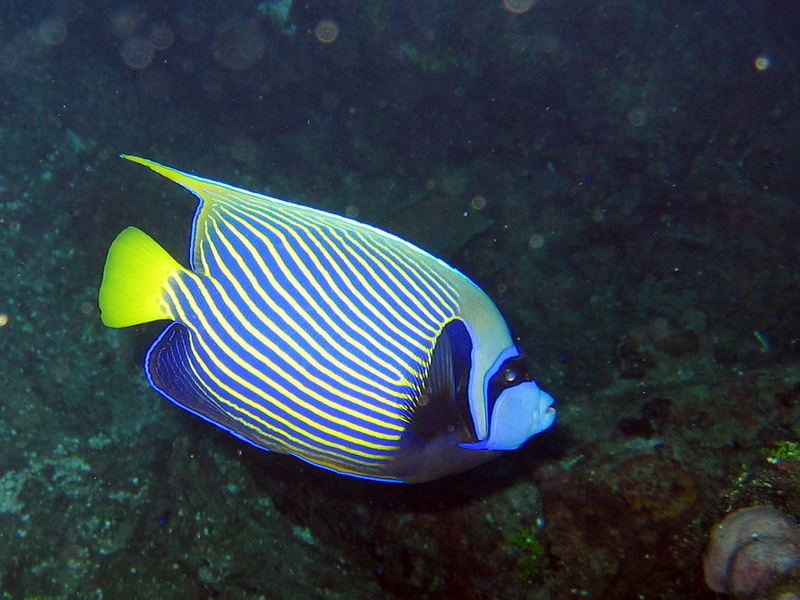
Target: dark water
point(629, 172)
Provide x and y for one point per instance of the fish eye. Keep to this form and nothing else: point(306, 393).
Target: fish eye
point(512, 372)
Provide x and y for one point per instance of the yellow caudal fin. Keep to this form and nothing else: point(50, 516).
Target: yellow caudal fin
point(133, 280)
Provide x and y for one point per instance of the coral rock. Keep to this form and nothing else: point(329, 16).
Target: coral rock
point(751, 551)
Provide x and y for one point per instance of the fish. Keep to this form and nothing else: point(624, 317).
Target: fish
point(310, 334)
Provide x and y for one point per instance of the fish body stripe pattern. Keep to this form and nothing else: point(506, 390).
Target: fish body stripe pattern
point(307, 335)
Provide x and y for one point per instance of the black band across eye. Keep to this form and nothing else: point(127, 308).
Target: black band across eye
point(512, 372)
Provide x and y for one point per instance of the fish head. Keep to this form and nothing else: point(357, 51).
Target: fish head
point(519, 413)
point(517, 408)
point(469, 414)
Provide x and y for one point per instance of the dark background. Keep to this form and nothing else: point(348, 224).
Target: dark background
point(621, 177)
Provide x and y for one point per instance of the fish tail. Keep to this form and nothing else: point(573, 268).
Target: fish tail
point(136, 271)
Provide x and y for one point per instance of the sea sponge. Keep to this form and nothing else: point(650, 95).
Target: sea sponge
point(752, 552)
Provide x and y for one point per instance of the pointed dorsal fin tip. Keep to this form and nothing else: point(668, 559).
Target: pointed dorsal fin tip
point(185, 179)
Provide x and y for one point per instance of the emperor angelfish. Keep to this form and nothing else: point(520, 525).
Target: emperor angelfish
point(311, 334)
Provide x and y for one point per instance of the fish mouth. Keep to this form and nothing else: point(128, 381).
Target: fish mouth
point(545, 402)
point(546, 414)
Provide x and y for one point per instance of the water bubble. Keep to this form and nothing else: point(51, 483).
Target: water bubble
point(137, 52)
point(326, 31)
point(52, 31)
point(239, 43)
point(478, 202)
point(536, 241)
point(637, 117)
point(762, 62)
point(454, 184)
point(126, 21)
point(518, 7)
point(160, 35)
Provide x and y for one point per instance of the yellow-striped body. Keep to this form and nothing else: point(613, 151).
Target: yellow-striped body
point(310, 334)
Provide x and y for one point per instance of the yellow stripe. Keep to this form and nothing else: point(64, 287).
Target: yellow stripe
point(373, 472)
point(267, 299)
point(205, 327)
point(396, 247)
point(296, 445)
point(300, 368)
point(266, 431)
point(421, 308)
point(203, 267)
point(320, 312)
point(298, 385)
point(292, 342)
point(434, 283)
point(420, 363)
point(422, 327)
point(315, 234)
point(354, 237)
point(333, 288)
